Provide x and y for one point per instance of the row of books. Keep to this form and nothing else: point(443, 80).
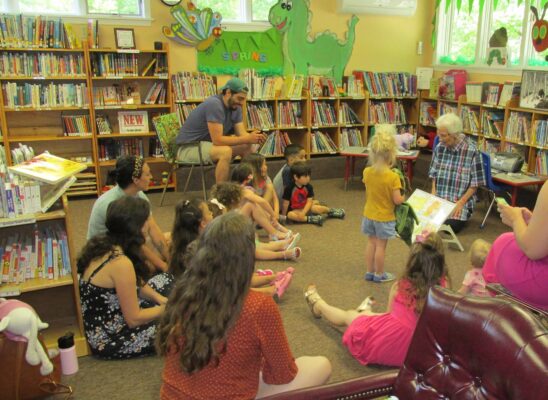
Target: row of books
point(103, 125)
point(45, 95)
point(43, 254)
point(19, 154)
point(428, 113)
point(492, 123)
point(354, 87)
point(470, 119)
point(260, 87)
point(351, 137)
point(118, 65)
point(541, 163)
point(192, 85)
point(260, 116)
point(18, 31)
point(388, 84)
point(290, 113)
point(541, 133)
point(387, 112)
point(275, 144)
point(347, 115)
point(322, 143)
point(293, 86)
point(492, 93)
point(18, 196)
point(321, 86)
point(93, 33)
point(76, 125)
point(184, 110)
point(518, 127)
point(42, 64)
point(323, 113)
point(115, 95)
point(110, 149)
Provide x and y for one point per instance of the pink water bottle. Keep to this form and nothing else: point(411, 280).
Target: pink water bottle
point(69, 360)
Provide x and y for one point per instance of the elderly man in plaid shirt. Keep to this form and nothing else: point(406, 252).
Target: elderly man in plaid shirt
point(456, 170)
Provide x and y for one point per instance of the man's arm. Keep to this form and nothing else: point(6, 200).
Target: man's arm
point(218, 139)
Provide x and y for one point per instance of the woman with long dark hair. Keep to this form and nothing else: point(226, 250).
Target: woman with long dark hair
point(113, 277)
point(220, 339)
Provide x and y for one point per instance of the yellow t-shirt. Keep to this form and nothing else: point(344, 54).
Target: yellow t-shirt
point(379, 187)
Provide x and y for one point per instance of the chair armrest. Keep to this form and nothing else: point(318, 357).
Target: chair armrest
point(367, 387)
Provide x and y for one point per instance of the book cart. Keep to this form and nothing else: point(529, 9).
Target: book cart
point(51, 290)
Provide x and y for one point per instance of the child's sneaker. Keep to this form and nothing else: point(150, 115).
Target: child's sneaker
point(385, 277)
point(369, 276)
point(315, 219)
point(264, 272)
point(336, 213)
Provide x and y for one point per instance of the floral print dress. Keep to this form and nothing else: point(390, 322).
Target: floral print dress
point(107, 332)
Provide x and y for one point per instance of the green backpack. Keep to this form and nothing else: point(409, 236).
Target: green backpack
point(405, 215)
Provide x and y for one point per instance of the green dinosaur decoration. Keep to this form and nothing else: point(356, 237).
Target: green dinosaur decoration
point(323, 54)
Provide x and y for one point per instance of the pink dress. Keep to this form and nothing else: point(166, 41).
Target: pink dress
point(525, 278)
point(384, 339)
point(474, 282)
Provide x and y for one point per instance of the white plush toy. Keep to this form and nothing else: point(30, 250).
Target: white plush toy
point(404, 140)
point(20, 322)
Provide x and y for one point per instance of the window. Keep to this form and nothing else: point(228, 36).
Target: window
point(463, 37)
point(135, 9)
point(242, 11)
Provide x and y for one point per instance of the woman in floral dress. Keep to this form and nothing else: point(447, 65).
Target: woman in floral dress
point(113, 282)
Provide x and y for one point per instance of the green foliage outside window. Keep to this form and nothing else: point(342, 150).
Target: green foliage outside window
point(116, 7)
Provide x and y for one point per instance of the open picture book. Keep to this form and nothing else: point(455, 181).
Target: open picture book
point(431, 210)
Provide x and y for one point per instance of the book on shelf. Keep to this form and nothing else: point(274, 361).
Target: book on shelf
point(76, 125)
point(452, 84)
point(47, 168)
point(275, 144)
point(103, 125)
point(133, 121)
point(156, 94)
point(510, 89)
point(353, 87)
point(21, 153)
point(18, 31)
point(293, 87)
point(131, 93)
point(424, 75)
point(388, 84)
point(473, 92)
point(93, 34)
point(49, 194)
point(434, 88)
point(192, 85)
point(148, 67)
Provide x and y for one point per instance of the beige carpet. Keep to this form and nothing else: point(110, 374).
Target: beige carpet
point(332, 258)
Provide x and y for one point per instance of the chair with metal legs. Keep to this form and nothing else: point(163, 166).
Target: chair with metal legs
point(491, 187)
point(167, 128)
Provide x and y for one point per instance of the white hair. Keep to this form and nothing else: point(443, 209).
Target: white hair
point(451, 123)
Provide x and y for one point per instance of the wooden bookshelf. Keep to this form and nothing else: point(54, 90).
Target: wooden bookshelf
point(57, 301)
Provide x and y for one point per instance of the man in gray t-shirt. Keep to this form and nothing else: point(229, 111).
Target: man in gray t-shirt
point(218, 124)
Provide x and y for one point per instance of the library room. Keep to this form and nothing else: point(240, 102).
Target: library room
point(273, 199)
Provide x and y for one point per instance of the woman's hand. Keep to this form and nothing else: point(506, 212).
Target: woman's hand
point(509, 215)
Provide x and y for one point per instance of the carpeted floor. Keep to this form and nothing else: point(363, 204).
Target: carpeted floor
point(332, 258)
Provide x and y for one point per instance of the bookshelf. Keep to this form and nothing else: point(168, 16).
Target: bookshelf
point(128, 88)
point(56, 297)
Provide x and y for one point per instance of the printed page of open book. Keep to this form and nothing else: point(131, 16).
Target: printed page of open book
point(48, 168)
point(432, 211)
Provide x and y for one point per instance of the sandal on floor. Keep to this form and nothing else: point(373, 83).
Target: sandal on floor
point(311, 296)
point(282, 284)
point(294, 253)
point(366, 304)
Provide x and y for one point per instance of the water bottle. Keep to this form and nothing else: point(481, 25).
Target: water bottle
point(69, 360)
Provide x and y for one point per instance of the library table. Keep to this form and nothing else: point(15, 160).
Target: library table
point(351, 153)
point(517, 180)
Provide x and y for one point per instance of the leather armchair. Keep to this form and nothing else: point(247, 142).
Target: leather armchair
point(463, 348)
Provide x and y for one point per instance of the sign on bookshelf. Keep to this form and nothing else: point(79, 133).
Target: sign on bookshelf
point(133, 121)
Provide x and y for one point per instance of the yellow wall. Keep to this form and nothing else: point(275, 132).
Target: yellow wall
point(383, 43)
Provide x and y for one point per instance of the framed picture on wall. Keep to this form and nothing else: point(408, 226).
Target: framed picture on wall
point(534, 89)
point(125, 38)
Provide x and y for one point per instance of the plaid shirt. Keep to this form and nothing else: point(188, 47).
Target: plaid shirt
point(456, 169)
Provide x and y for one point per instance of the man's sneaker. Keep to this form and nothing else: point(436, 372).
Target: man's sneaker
point(385, 277)
point(315, 219)
point(369, 276)
point(336, 213)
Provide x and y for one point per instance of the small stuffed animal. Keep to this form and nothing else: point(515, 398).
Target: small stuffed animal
point(20, 322)
point(404, 140)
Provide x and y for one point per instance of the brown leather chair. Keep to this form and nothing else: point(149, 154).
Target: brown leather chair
point(463, 348)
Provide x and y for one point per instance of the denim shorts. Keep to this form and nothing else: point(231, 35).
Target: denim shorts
point(381, 230)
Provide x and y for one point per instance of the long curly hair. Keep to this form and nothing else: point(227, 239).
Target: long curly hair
point(124, 221)
point(425, 268)
point(207, 300)
point(186, 228)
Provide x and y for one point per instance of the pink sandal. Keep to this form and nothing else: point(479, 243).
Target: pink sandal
point(282, 284)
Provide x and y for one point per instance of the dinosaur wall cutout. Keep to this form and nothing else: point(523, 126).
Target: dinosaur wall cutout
point(324, 54)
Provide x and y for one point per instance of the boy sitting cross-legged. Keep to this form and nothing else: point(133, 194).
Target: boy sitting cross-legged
point(293, 153)
point(298, 199)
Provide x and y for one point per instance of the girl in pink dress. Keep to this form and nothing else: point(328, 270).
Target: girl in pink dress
point(383, 338)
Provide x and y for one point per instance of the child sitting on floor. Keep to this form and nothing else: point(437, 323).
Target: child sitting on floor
point(243, 175)
point(292, 153)
point(261, 181)
point(298, 199)
point(229, 195)
point(473, 280)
